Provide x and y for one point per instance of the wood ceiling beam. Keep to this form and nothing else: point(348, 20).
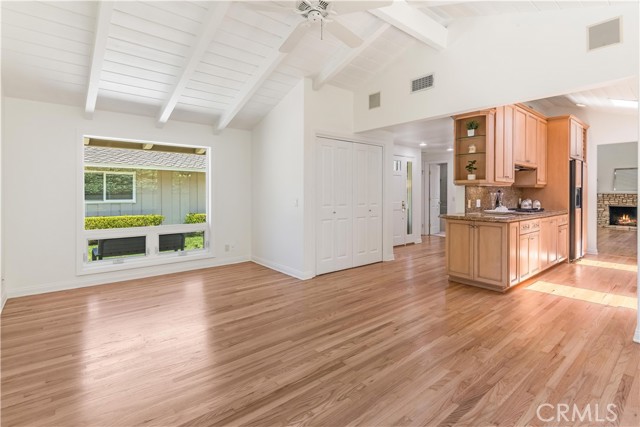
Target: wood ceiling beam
point(255, 81)
point(346, 55)
point(208, 29)
point(105, 10)
point(413, 22)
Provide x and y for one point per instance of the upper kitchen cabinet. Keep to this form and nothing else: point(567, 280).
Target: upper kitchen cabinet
point(504, 170)
point(474, 150)
point(578, 139)
point(530, 147)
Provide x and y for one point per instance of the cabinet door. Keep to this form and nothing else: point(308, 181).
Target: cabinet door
point(459, 244)
point(534, 252)
point(541, 176)
point(563, 242)
point(519, 135)
point(504, 144)
point(523, 249)
point(577, 140)
point(490, 260)
point(553, 242)
point(545, 242)
point(531, 139)
point(514, 277)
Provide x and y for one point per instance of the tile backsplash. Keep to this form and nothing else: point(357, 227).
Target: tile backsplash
point(510, 197)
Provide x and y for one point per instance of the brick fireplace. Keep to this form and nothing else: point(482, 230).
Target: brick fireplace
point(617, 210)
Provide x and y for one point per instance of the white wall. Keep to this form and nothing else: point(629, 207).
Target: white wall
point(613, 156)
point(278, 190)
point(40, 155)
point(498, 60)
point(3, 293)
point(418, 193)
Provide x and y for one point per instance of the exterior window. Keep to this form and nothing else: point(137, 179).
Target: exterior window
point(109, 186)
point(143, 203)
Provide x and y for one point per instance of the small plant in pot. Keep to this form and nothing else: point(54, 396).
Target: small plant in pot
point(471, 167)
point(472, 125)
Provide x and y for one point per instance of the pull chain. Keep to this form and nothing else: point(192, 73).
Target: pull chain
point(322, 29)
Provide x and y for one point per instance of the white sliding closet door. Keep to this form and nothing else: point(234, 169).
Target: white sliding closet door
point(367, 198)
point(349, 225)
point(334, 234)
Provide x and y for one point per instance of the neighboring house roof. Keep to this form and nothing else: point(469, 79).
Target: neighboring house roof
point(143, 159)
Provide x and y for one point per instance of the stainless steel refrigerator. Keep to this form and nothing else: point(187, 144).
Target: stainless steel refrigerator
point(575, 210)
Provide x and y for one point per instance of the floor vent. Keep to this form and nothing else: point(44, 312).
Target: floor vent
point(422, 83)
point(604, 34)
point(374, 100)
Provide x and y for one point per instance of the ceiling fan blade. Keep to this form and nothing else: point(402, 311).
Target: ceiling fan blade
point(294, 38)
point(343, 34)
point(346, 6)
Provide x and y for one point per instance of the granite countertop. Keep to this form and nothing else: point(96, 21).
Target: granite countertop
point(510, 217)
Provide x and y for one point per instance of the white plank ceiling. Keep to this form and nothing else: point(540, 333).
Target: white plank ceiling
point(207, 62)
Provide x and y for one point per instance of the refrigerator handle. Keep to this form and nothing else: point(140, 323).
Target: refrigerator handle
point(579, 197)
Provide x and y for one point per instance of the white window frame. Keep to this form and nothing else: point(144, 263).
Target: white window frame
point(152, 257)
point(104, 187)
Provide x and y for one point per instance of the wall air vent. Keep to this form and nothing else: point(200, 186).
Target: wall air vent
point(422, 83)
point(604, 34)
point(374, 100)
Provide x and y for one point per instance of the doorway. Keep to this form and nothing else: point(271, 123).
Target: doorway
point(403, 221)
point(435, 198)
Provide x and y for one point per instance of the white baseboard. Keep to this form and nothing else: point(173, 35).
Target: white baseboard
point(4, 300)
point(283, 268)
point(120, 276)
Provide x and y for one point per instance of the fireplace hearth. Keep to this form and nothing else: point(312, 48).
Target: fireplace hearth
point(626, 216)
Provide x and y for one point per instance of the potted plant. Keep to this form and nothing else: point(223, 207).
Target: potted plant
point(472, 125)
point(471, 167)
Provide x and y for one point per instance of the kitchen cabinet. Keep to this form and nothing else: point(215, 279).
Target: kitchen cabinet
point(477, 251)
point(499, 255)
point(577, 146)
point(529, 249)
point(525, 139)
point(548, 241)
point(504, 169)
point(541, 146)
point(480, 147)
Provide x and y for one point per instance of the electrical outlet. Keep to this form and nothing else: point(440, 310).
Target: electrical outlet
point(478, 203)
point(227, 247)
point(469, 204)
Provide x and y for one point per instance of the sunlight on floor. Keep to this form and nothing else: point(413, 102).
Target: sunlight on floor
point(604, 264)
point(584, 294)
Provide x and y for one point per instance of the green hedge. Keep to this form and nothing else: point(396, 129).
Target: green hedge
point(195, 218)
point(124, 221)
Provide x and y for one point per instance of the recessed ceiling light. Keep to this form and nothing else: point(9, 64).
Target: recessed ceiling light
point(624, 103)
point(423, 144)
point(580, 105)
point(449, 149)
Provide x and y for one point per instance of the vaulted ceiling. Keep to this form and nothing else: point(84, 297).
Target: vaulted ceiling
point(210, 62)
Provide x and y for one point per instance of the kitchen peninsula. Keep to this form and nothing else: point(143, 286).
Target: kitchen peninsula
point(520, 150)
point(501, 251)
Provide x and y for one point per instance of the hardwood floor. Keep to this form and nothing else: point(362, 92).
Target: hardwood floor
point(617, 242)
point(388, 344)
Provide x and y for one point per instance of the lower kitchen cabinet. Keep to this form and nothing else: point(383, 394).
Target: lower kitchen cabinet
point(498, 255)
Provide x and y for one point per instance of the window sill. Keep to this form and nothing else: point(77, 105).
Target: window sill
point(106, 266)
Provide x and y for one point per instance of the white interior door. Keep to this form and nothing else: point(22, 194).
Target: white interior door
point(367, 200)
point(434, 198)
point(399, 201)
point(335, 229)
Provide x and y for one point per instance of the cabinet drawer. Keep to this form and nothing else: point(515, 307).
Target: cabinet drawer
point(564, 219)
point(529, 226)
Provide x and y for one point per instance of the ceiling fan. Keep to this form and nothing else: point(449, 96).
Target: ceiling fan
point(324, 13)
